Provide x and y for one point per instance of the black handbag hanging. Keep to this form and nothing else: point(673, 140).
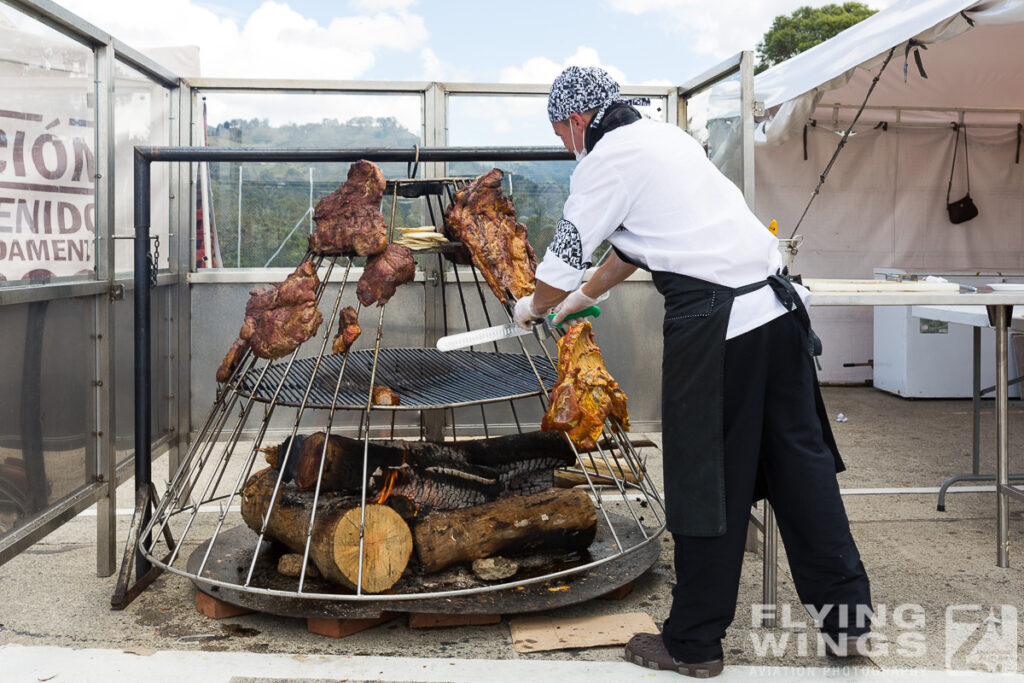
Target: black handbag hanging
point(962, 210)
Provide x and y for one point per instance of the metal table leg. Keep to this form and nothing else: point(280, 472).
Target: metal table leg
point(977, 393)
point(999, 318)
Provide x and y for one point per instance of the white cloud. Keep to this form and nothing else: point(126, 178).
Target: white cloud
point(520, 120)
point(432, 69)
point(725, 27)
point(544, 70)
point(275, 41)
point(381, 5)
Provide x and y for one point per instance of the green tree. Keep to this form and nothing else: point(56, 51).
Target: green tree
point(805, 28)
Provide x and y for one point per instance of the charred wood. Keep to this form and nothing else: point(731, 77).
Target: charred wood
point(556, 519)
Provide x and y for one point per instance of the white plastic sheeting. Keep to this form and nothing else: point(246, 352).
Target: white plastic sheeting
point(883, 204)
point(982, 72)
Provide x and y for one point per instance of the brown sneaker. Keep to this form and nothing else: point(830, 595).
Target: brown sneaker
point(648, 649)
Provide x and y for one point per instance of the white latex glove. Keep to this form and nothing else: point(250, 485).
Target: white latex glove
point(524, 314)
point(574, 303)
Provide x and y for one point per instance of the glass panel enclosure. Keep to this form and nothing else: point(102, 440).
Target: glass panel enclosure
point(263, 212)
point(719, 110)
point(46, 372)
point(47, 157)
point(141, 117)
point(713, 118)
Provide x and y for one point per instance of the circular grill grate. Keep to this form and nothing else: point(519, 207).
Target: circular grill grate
point(422, 378)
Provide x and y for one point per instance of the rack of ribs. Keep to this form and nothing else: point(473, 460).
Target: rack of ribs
point(484, 220)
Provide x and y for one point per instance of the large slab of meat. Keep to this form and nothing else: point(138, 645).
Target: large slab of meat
point(384, 273)
point(277, 319)
point(348, 220)
point(585, 393)
point(484, 220)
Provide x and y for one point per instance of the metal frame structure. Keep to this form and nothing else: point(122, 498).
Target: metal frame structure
point(105, 473)
point(152, 518)
point(107, 288)
point(184, 98)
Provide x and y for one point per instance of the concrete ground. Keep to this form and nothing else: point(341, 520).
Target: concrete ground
point(942, 605)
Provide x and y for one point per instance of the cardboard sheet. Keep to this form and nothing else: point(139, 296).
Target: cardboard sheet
point(536, 634)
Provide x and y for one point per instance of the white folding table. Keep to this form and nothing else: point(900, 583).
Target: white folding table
point(999, 310)
point(998, 307)
point(977, 318)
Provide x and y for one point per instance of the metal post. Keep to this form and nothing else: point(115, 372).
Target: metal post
point(106, 360)
point(1002, 313)
point(184, 246)
point(747, 124)
point(769, 572)
point(238, 245)
point(143, 398)
point(976, 404)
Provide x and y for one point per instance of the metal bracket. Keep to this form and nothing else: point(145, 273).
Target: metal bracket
point(116, 292)
point(992, 313)
point(125, 591)
point(758, 108)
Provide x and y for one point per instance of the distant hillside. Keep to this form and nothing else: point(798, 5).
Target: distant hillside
point(276, 195)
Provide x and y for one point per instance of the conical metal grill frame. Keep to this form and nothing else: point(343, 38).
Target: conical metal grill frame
point(318, 388)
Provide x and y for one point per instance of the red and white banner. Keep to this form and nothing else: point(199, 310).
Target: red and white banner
point(47, 201)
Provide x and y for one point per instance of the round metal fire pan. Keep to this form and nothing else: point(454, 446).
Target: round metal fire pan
point(234, 554)
point(422, 379)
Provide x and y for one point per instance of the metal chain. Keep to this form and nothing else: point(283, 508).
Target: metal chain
point(154, 262)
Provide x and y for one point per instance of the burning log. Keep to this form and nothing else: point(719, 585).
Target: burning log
point(440, 475)
point(557, 519)
point(334, 544)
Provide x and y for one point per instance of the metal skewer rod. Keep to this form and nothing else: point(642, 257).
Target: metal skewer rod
point(590, 483)
point(327, 433)
point(366, 453)
point(282, 462)
point(222, 462)
point(250, 459)
point(465, 316)
point(487, 317)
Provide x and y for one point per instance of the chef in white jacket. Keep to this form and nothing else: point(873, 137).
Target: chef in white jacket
point(742, 415)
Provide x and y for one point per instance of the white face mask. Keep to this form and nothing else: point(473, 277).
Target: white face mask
point(579, 153)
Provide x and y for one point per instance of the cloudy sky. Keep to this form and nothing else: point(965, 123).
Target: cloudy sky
point(657, 42)
point(640, 41)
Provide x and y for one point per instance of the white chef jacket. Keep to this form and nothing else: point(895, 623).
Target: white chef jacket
point(650, 190)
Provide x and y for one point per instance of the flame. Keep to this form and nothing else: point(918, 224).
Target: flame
point(386, 490)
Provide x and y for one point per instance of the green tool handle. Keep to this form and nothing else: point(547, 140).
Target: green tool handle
point(591, 312)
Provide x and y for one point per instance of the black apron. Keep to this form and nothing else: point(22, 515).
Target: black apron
point(692, 395)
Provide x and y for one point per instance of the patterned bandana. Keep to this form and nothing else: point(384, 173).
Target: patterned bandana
point(579, 89)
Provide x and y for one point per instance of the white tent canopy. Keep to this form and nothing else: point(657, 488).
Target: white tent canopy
point(884, 202)
point(970, 70)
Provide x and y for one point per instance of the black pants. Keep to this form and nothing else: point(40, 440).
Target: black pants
point(770, 425)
